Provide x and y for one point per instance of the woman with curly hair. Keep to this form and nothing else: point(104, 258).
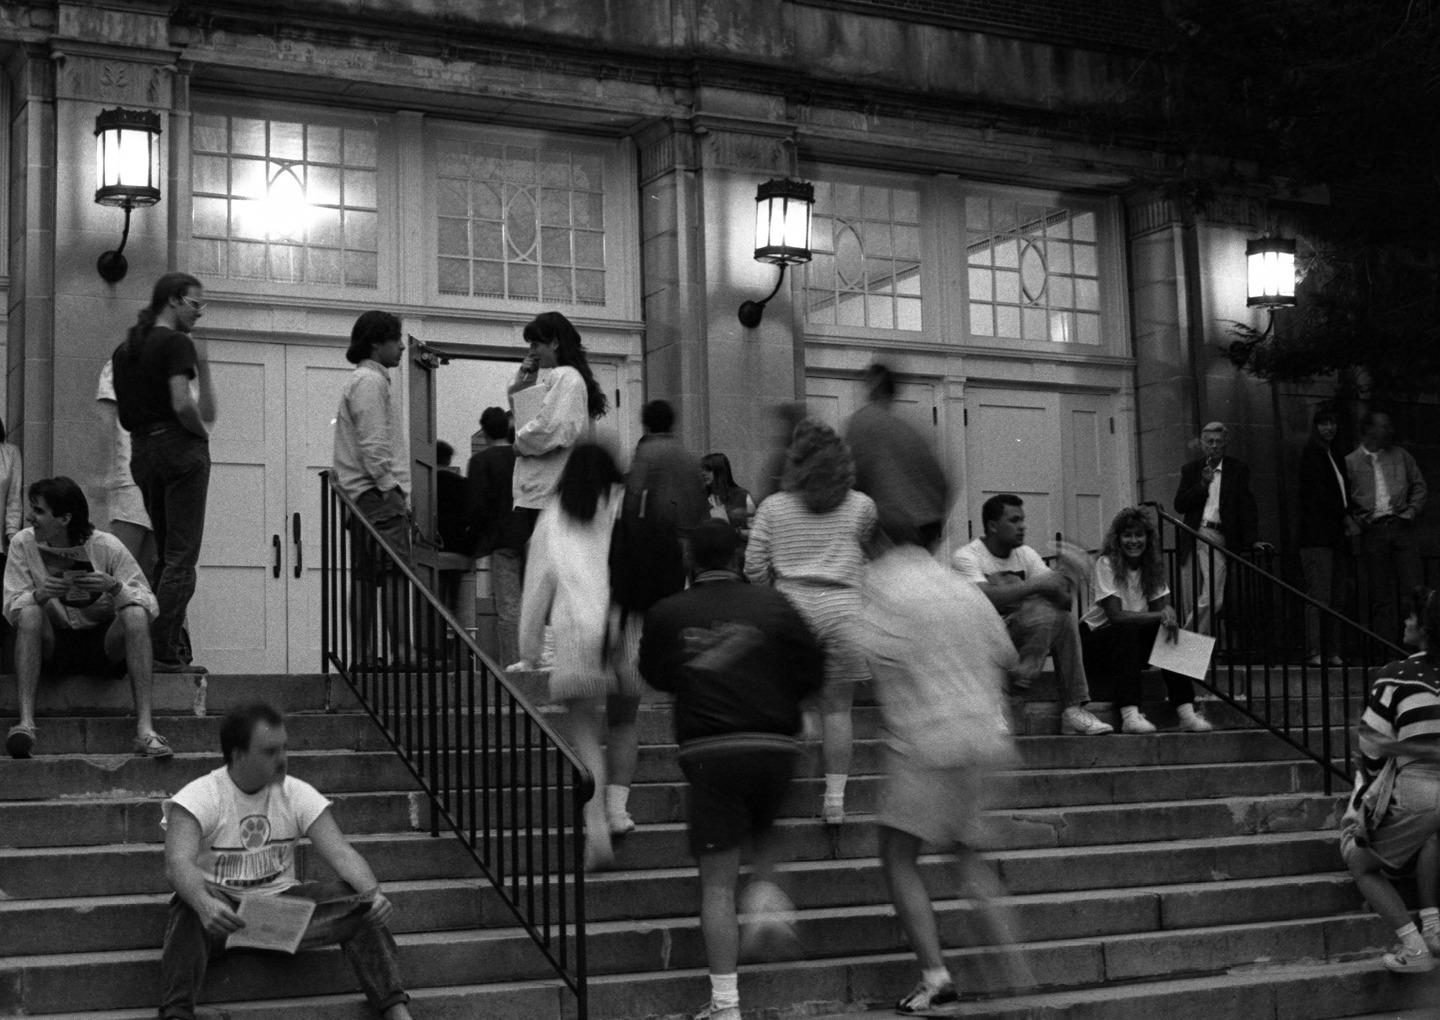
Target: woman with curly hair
point(570, 400)
point(1131, 603)
point(808, 541)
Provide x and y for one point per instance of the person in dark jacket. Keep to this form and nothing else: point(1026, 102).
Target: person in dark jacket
point(496, 527)
point(1324, 507)
point(450, 522)
point(739, 659)
point(1215, 498)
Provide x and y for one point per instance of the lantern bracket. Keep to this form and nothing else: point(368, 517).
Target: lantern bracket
point(111, 265)
point(751, 312)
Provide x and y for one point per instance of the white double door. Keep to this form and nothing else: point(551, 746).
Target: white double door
point(257, 597)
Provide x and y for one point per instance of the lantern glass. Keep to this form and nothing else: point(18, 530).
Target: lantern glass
point(1270, 272)
point(127, 157)
point(782, 222)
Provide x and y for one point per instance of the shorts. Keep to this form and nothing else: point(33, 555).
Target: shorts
point(82, 652)
point(736, 790)
point(1413, 817)
point(944, 807)
point(831, 611)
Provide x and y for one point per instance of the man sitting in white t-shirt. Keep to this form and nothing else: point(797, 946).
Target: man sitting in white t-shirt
point(232, 834)
point(1035, 602)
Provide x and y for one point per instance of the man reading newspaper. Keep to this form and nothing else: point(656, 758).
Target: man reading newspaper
point(230, 836)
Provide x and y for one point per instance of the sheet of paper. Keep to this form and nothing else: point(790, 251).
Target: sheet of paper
point(276, 923)
point(1188, 655)
point(526, 404)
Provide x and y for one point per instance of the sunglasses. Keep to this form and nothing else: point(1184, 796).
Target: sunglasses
point(199, 306)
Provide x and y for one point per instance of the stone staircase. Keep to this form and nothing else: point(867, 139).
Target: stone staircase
point(1171, 875)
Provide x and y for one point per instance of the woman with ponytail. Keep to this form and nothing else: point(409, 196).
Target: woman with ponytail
point(164, 400)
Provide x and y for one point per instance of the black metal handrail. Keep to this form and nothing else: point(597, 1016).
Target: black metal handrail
point(1261, 664)
point(496, 774)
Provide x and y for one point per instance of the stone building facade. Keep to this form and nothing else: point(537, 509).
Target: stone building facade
point(1053, 317)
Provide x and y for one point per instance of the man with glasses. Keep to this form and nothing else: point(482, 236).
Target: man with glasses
point(165, 401)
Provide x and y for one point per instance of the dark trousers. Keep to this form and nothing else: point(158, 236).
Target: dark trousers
point(1392, 570)
point(172, 469)
point(1119, 652)
point(368, 947)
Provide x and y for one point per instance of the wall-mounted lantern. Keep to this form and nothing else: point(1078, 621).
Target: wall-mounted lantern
point(1270, 272)
point(127, 172)
point(782, 234)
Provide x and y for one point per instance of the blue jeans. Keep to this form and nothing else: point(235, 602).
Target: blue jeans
point(368, 947)
point(172, 467)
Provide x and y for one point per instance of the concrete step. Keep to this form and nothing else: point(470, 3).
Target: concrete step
point(137, 869)
point(174, 694)
point(661, 963)
point(1110, 935)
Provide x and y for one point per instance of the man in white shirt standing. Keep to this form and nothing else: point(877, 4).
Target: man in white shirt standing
point(371, 459)
point(1035, 602)
point(1387, 493)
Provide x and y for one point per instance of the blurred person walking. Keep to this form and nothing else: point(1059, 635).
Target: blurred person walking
point(567, 581)
point(895, 465)
point(809, 542)
point(940, 656)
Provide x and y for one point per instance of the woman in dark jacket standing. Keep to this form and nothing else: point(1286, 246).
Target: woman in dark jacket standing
point(1323, 505)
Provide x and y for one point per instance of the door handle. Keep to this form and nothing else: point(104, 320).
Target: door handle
point(299, 546)
point(275, 541)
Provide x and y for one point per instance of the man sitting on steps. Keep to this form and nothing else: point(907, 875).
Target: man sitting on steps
point(1035, 602)
point(64, 577)
point(231, 835)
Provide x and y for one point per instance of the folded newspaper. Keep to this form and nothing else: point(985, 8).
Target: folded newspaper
point(276, 923)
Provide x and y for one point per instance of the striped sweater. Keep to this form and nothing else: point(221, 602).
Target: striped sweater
point(1403, 704)
point(789, 545)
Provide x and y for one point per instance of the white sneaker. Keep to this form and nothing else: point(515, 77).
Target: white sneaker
point(1193, 722)
point(714, 1012)
point(1403, 960)
point(620, 823)
point(1136, 723)
point(1076, 719)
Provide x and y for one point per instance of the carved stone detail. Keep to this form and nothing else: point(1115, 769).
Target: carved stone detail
point(114, 81)
point(1151, 213)
point(675, 150)
point(731, 150)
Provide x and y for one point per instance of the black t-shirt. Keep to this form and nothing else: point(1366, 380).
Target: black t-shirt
point(142, 376)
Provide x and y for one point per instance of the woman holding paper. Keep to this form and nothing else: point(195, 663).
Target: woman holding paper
point(555, 397)
point(1131, 606)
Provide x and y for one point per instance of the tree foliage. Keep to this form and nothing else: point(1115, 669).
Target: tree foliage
point(1338, 94)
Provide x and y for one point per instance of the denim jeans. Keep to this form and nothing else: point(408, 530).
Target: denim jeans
point(368, 947)
point(505, 585)
point(172, 468)
point(1119, 651)
point(1392, 570)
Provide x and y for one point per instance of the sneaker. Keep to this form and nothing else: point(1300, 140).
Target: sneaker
point(1136, 723)
point(832, 809)
point(925, 998)
point(714, 1012)
point(1336, 660)
point(620, 823)
point(767, 922)
point(1076, 719)
point(20, 741)
point(1404, 960)
point(1196, 723)
point(153, 745)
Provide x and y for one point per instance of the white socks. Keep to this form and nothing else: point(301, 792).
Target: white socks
point(1430, 921)
point(835, 785)
point(1410, 936)
point(937, 978)
point(616, 797)
point(725, 990)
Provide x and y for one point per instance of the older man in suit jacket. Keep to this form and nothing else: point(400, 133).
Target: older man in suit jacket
point(1215, 499)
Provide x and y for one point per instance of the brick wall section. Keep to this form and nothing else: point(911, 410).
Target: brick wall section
point(1129, 24)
